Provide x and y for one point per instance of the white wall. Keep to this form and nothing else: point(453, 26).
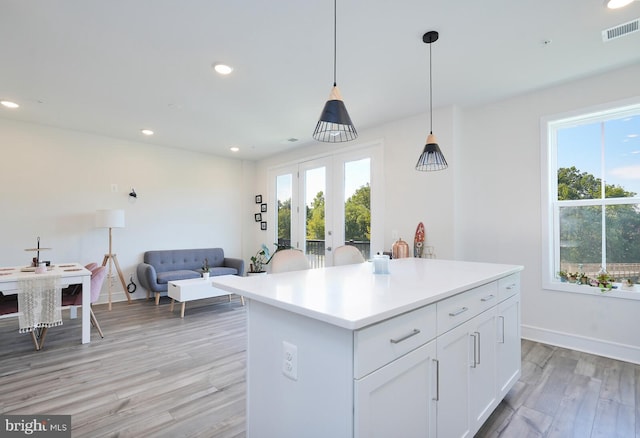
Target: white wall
point(53, 180)
point(498, 212)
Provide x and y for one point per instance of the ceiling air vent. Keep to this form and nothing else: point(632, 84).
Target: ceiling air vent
point(621, 30)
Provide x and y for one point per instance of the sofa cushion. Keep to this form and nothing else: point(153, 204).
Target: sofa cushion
point(222, 271)
point(183, 274)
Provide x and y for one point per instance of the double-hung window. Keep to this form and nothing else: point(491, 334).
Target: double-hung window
point(591, 199)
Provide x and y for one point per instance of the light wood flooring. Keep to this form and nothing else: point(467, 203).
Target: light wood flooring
point(157, 375)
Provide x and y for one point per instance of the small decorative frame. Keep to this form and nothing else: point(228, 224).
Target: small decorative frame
point(263, 226)
point(258, 217)
point(258, 199)
point(263, 208)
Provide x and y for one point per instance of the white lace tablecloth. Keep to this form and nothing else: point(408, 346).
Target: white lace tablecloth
point(39, 302)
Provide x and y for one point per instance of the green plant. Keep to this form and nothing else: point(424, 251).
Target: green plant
point(583, 278)
point(562, 275)
point(205, 265)
point(604, 281)
point(259, 260)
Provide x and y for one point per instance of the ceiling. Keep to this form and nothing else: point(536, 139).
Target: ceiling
point(115, 67)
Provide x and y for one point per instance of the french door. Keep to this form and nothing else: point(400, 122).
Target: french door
point(327, 202)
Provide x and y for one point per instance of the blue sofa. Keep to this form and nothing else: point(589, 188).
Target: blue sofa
point(160, 267)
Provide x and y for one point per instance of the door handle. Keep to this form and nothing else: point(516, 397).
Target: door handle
point(437, 362)
point(473, 335)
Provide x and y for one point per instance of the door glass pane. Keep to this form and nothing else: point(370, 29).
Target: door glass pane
point(284, 192)
point(315, 189)
point(357, 205)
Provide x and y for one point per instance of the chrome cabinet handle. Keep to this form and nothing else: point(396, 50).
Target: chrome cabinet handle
point(405, 337)
point(502, 325)
point(473, 335)
point(487, 298)
point(459, 311)
point(511, 286)
point(437, 362)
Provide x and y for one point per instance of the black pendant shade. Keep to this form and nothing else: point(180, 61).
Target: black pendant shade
point(431, 158)
point(335, 124)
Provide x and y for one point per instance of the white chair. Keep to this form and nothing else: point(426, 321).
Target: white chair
point(347, 255)
point(287, 260)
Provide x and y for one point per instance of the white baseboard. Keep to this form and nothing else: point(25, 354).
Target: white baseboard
point(627, 353)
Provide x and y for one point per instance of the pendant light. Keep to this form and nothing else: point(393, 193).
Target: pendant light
point(431, 158)
point(335, 124)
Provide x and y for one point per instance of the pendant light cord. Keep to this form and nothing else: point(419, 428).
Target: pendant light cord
point(430, 93)
point(335, 38)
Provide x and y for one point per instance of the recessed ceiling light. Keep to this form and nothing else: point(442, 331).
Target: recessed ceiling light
point(147, 131)
point(616, 4)
point(234, 148)
point(222, 69)
point(9, 104)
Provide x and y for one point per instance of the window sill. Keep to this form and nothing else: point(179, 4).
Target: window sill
point(627, 294)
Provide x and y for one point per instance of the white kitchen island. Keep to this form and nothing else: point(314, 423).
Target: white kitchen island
point(427, 350)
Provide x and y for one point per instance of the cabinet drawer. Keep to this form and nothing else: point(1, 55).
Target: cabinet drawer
point(508, 286)
point(460, 308)
point(379, 344)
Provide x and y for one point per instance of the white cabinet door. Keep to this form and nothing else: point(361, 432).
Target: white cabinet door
point(508, 346)
point(454, 362)
point(398, 399)
point(482, 389)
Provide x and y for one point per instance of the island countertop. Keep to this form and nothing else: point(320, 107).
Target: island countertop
point(352, 297)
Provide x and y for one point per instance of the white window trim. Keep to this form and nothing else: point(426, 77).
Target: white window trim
point(549, 214)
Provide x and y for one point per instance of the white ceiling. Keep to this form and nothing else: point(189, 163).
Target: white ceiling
point(115, 67)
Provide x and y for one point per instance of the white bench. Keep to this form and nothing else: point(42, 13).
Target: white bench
point(193, 289)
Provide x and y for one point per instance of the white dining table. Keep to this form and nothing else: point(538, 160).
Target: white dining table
point(70, 273)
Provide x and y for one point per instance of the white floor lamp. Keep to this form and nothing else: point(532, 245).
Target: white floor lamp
point(112, 219)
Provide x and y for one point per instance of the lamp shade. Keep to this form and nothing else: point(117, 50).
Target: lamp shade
point(431, 158)
point(335, 124)
point(110, 219)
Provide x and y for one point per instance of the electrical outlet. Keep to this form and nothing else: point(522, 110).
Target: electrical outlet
point(114, 188)
point(394, 234)
point(290, 360)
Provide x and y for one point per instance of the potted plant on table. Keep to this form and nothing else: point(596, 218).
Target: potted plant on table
point(205, 269)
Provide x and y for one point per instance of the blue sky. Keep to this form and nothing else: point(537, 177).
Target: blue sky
point(580, 146)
